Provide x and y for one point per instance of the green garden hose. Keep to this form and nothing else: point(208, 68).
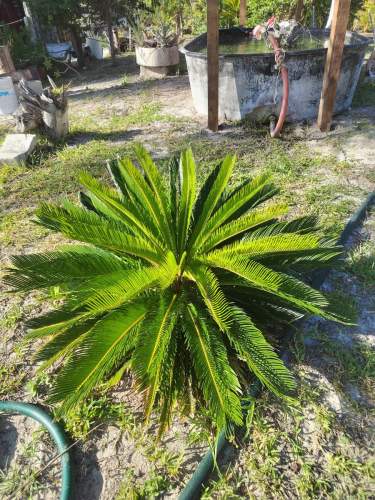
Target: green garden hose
point(56, 433)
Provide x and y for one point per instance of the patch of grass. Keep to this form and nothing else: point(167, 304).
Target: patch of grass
point(11, 317)
point(104, 123)
point(361, 262)
point(4, 130)
point(364, 94)
point(79, 421)
point(17, 228)
point(163, 473)
point(7, 172)
point(12, 377)
point(125, 80)
point(130, 489)
point(351, 364)
point(57, 176)
point(19, 482)
point(332, 203)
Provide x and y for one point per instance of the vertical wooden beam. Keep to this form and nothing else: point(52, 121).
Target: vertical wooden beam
point(333, 63)
point(213, 64)
point(243, 13)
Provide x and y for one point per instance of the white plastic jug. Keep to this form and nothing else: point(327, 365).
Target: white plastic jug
point(8, 97)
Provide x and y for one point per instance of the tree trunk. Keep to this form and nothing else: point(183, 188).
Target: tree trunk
point(77, 44)
point(110, 36)
point(299, 11)
point(179, 23)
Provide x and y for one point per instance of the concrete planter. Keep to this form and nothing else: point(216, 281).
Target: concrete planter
point(157, 62)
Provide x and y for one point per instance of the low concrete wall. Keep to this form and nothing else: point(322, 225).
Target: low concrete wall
point(248, 82)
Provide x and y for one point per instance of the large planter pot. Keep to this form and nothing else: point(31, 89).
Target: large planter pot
point(157, 62)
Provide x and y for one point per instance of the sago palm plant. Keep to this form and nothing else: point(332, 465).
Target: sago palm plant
point(172, 284)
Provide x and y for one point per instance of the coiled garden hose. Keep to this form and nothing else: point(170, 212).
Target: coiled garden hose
point(30, 410)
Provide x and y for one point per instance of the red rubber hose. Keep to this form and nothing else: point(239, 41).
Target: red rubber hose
point(275, 131)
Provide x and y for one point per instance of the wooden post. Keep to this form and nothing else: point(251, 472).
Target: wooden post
point(6, 61)
point(243, 13)
point(333, 63)
point(213, 64)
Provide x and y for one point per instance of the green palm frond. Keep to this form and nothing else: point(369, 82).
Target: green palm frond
point(213, 296)
point(36, 271)
point(215, 376)
point(63, 343)
point(98, 354)
point(259, 355)
point(211, 196)
point(268, 245)
point(154, 179)
point(113, 290)
point(115, 206)
point(249, 221)
point(89, 227)
point(187, 182)
point(175, 284)
point(236, 204)
point(153, 344)
point(53, 322)
point(284, 286)
point(145, 200)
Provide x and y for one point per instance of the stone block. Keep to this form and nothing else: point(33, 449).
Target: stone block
point(16, 148)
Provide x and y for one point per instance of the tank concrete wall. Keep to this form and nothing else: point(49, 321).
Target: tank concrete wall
point(249, 84)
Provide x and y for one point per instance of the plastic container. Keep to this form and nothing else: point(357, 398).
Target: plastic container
point(95, 48)
point(59, 51)
point(8, 97)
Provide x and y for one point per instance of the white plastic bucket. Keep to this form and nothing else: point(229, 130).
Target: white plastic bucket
point(8, 97)
point(95, 48)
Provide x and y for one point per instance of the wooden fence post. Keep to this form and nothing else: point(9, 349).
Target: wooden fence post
point(213, 64)
point(333, 63)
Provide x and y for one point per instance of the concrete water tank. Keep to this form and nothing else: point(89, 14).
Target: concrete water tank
point(249, 85)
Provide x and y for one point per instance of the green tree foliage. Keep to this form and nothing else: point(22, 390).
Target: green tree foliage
point(365, 17)
point(258, 11)
point(62, 15)
point(23, 51)
point(104, 14)
point(175, 284)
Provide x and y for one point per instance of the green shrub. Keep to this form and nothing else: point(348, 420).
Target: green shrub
point(24, 52)
point(259, 11)
point(365, 17)
point(174, 284)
